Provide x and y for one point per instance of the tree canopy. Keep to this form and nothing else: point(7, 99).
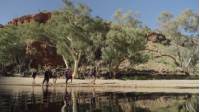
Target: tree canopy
point(84, 40)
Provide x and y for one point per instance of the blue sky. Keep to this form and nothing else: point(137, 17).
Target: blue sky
point(149, 9)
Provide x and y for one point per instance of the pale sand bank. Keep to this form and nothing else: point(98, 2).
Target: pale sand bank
point(168, 86)
point(21, 81)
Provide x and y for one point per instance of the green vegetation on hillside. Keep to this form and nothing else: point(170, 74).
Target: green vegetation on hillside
point(86, 42)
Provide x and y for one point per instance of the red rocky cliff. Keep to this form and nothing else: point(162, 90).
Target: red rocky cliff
point(41, 52)
point(157, 38)
point(40, 17)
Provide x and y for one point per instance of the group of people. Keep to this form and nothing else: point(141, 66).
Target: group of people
point(52, 73)
point(48, 74)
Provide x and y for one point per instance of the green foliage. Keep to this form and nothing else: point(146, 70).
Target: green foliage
point(182, 30)
point(11, 46)
point(165, 17)
point(123, 43)
point(77, 35)
point(188, 58)
point(189, 21)
point(176, 28)
point(128, 18)
point(14, 41)
point(85, 40)
point(191, 105)
point(69, 31)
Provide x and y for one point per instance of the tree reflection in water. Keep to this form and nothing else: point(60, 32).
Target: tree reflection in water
point(190, 105)
point(71, 100)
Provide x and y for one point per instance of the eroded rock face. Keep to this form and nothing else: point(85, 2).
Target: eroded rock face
point(158, 38)
point(42, 53)
point(42, 17)
point(39, 17)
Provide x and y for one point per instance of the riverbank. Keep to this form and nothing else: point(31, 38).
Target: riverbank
point(21, 81)
point(161, 86)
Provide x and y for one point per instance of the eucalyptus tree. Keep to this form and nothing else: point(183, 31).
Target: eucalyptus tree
point(99, 30)
point(123, 43)
point(128, 19)
point(188, 20)
point(180, 27)
point(168, 26)
point(181, 30)
point(188, 59)
point(12, 48)
point(73, 31)
point(14, 43)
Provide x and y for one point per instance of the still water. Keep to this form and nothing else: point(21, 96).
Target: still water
point(68, 100)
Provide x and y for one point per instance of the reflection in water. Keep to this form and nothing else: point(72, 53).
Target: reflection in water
point(93, 101)
point(67, 102)
point(49, 100)
point(46, 95)
point(190, 105)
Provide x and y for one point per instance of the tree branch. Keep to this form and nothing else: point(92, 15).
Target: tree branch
point(164, 55)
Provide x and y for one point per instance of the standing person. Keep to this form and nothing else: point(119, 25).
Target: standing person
point(34, 74)
point(68, 74)
point(47, 75)
point(93, 74)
